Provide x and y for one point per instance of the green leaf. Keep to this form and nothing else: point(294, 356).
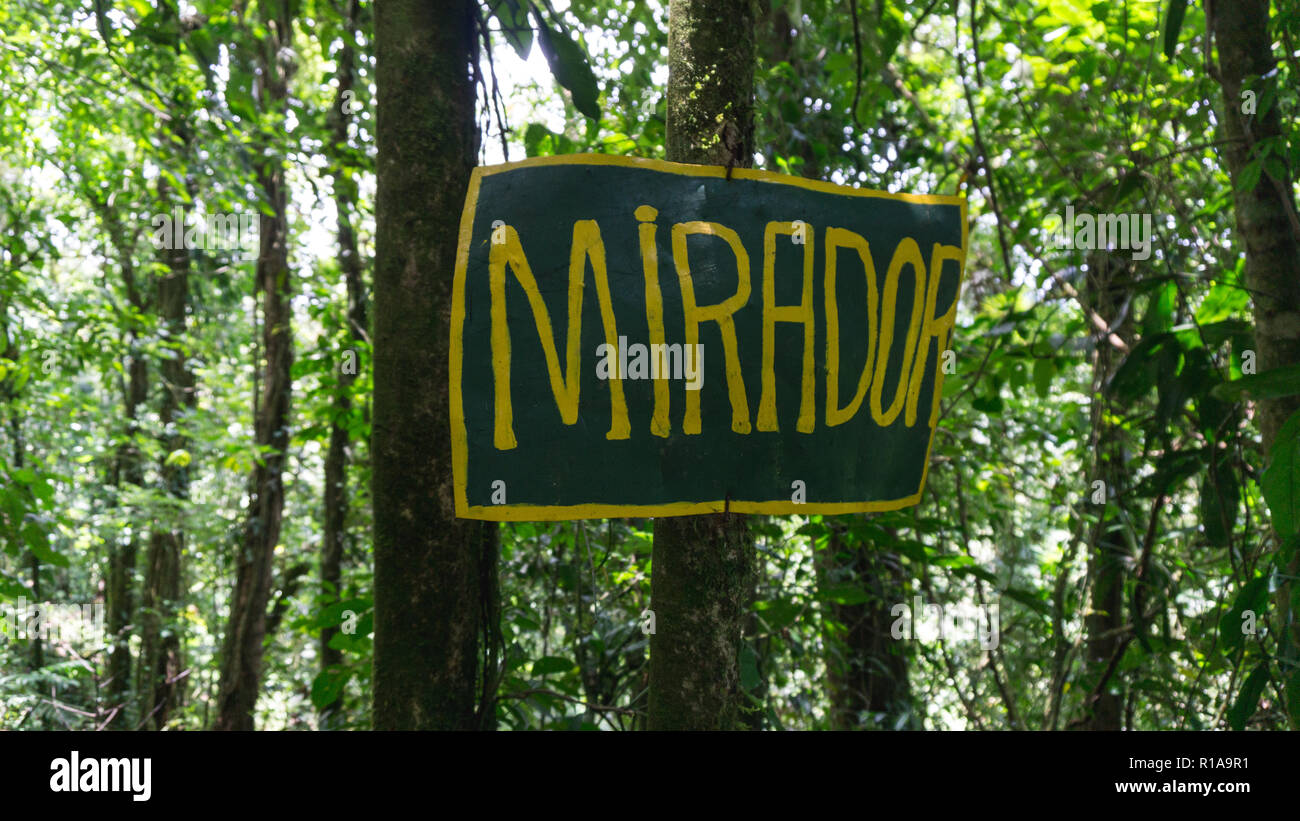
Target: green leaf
point(101, 22)
point(1276, 169)
point(39, 543)
point(1271, 384)
point(569, 65)
point(778, 613)
point(328, 686)
point(1160, 311)
point(1224, 300)
point(239, 96)
point(538, 140)
point(844, 594)
point(11, 589)
point(1173, 468)
point(1137, 374)
point(515, 26)
point(1249, 176)
point(1172, 386)
point(1220, 498)
point(749, 677)
point(1253, 597)
point(357, 644)
point(1214, 334)
point(43, 490)
point(205, 49)
point(1173, 25)
point(333, 615)
point(1248, 700)
point(1043, 371)
point(1280, 481)
point(1029, 599)
point(976, 571)
point(552, 664)
point(815, 529)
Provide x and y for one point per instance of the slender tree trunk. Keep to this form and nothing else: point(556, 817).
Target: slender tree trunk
point(128, 469)
point(1108, 555)
point(161, 685)
point(1268, 229)
point(434, 574)
point(1104, 623)
point(349, 259)
point(160, 655)
point(702, 582)
point(1265, 212)
point(242, 651)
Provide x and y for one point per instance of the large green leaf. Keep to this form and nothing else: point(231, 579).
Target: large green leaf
point(1043, 371)
point(1253, 597)
point(1248, 699)
point(1270, 384)
point(203, 47)
point(1137, 374)
point(239, 96)
point(847, 593)
point(1224, 299)
point(569, 65)
point(1173, 25)
point(1028, 598)
point(1280, 481)
point(749, 675)
point(1160, 311)
point(1220, 498)
point(552, 664)
point(778, 613)
point(39, 542)
point(515, 25)
point(11, 588)
point(328, 686)
point(101, 22)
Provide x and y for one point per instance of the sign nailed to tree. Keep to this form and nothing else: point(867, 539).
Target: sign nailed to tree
point(640, 338)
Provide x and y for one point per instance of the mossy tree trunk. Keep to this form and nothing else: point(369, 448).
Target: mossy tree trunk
point(1268, 228)
point(702, 582)
point(1108, 553)
point(160, 681)
point(434, 574)
point(127, 470)
point(161, 684)
point(241, 668)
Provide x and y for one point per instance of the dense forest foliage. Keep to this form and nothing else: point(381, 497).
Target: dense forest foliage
point(227, 232)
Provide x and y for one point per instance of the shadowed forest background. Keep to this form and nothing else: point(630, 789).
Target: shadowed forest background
point(237, 444)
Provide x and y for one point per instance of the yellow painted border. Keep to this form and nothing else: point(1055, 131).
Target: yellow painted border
point(546, 513)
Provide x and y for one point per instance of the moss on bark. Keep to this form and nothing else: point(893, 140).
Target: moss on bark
point(1267, 228)
point(703, 575)
point(433, 572)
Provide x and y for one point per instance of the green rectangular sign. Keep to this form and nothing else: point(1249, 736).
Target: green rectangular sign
point(633, 337)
